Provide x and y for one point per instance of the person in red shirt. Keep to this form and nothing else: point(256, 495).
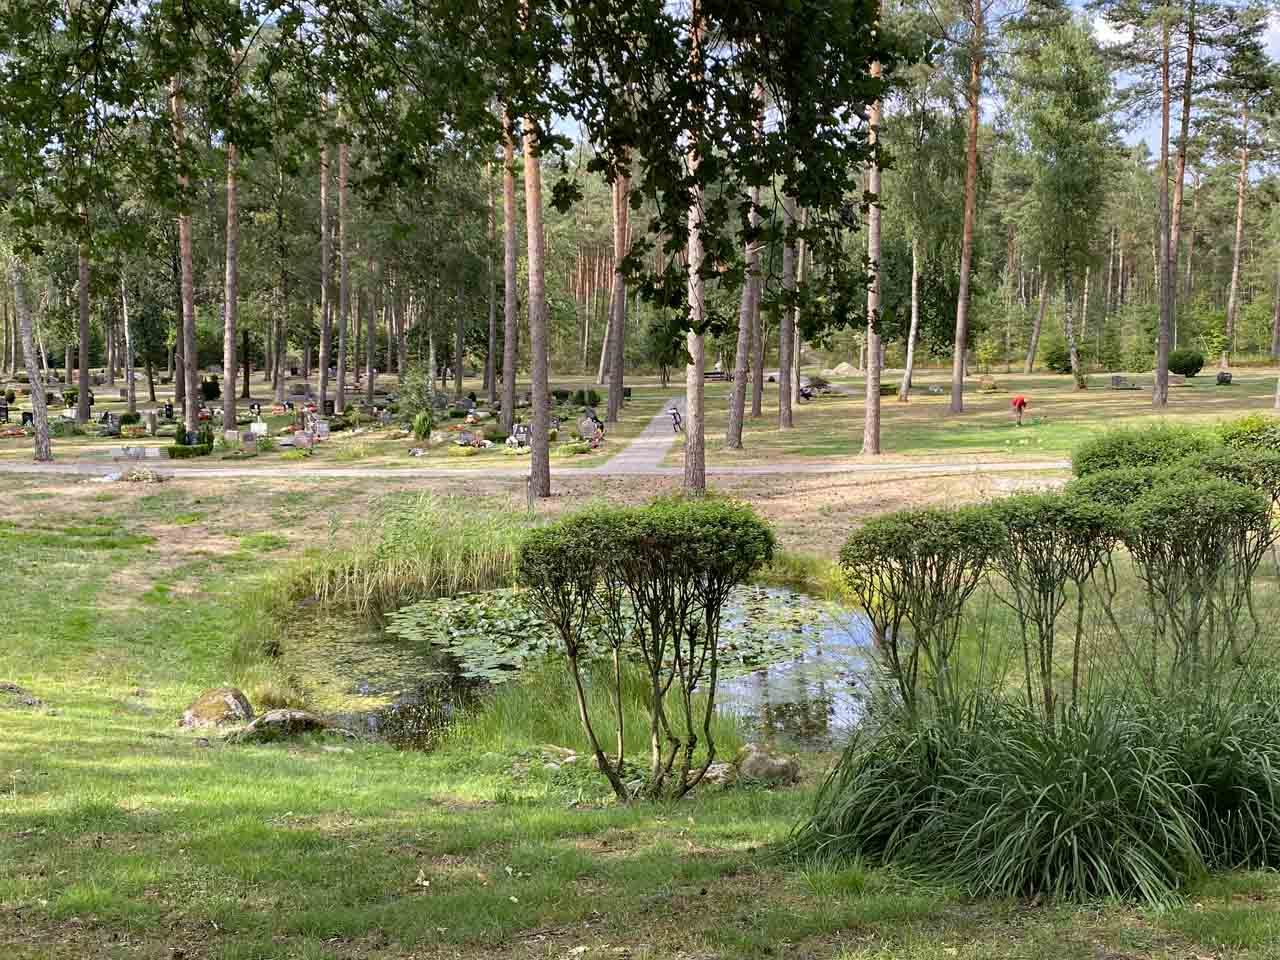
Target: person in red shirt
point(1019, 405)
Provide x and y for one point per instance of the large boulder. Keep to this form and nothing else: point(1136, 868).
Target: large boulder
point(280, 725)
point(757, 763)
point(217, 707)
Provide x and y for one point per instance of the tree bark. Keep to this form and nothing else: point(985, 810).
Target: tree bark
point(970, 210)
point(510, 293)
point(618, 338)
point(875, 358)
point(1233, 297)
point(904, 392)
point(1160, 389)
point(39, 411)
point(191, 387)
point(1180, 165)
point(131, 392)
point(326, 307)
point(540, 459)
point(344, 276)
point(231, 305)
point(1275, 318)
point(757, 322)
point(1038, 324)
point(1068, 328)
point(786, 322)
point(1111, 265)
point(490, 359)
point(82, 399)
point(695, 452)
point(746, 336)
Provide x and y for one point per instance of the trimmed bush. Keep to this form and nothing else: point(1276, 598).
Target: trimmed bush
point(128, 418)
point(10, 396)
point(572, 449)
point(457, 451)
point(667, 568)
point(180, 451)
point(911, 572)
point(1139, 447)
point(210, 389)
point(1186, 362)
point(1254, 430)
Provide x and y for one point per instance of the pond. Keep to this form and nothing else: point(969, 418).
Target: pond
point(792, 666)
point(810, 692)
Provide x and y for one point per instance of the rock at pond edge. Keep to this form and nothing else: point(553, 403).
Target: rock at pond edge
point(213, 708)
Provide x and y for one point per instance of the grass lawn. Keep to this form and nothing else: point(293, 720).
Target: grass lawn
point(123, 836)
point(1058, 418)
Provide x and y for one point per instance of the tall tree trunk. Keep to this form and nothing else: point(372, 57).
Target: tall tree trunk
point(787, 322)
point(370, 345)
point(1038, 324)
point(231, 306)
point(191, 386)
point(459, 345)
point(70, 364)
point(796, 344)
point(1180, 164)
point(1068, 328)
point(510, 293)
point(247, 359)
point(82, 400)
point(871, 402)
point(1191, 236)
point(746, 336)
point(1233, 297)
point(1160, 390)
point(695, 451)
point(39, 411)
point(344, 276)
point(756, 282)
point(974, 95)
point(1275, 318)
point(1111, 266)
point(618, 338)
point(540, 465)
point(904, 392)
point(491, 358)
point(131, 392)
point(326, 306)
point(1084, 307)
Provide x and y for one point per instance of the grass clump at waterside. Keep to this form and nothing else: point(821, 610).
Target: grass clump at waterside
point(413, 550)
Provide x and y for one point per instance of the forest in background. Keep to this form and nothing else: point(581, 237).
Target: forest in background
point(598, 188)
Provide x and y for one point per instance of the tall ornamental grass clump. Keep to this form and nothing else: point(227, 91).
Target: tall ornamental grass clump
point(415, 550)
point(989, 798)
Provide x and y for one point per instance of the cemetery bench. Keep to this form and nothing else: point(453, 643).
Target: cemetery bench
point(718, 375)
point(1123, 383)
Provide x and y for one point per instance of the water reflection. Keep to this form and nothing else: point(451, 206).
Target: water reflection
point(811, 693)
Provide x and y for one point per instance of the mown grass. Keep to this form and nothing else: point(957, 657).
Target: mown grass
point(121, 836)
point(1058, 418)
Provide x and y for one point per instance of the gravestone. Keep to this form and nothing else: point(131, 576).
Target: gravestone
point(168, 410)
point(258, 428)
point(153, 423)
point(587, 428)
point(322, 429)
point(4, 412)
point(28, 418)
point(231, 436)
point(1224, 378)
point(255, 409)
point(328, 409)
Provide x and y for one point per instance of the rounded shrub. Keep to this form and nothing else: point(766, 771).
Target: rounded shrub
point(128, 418)
point(1139, 447)
point(210, 389)
point(1257, 468)
point(1254, 430)
point(1186, 362)
point(10, 396)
